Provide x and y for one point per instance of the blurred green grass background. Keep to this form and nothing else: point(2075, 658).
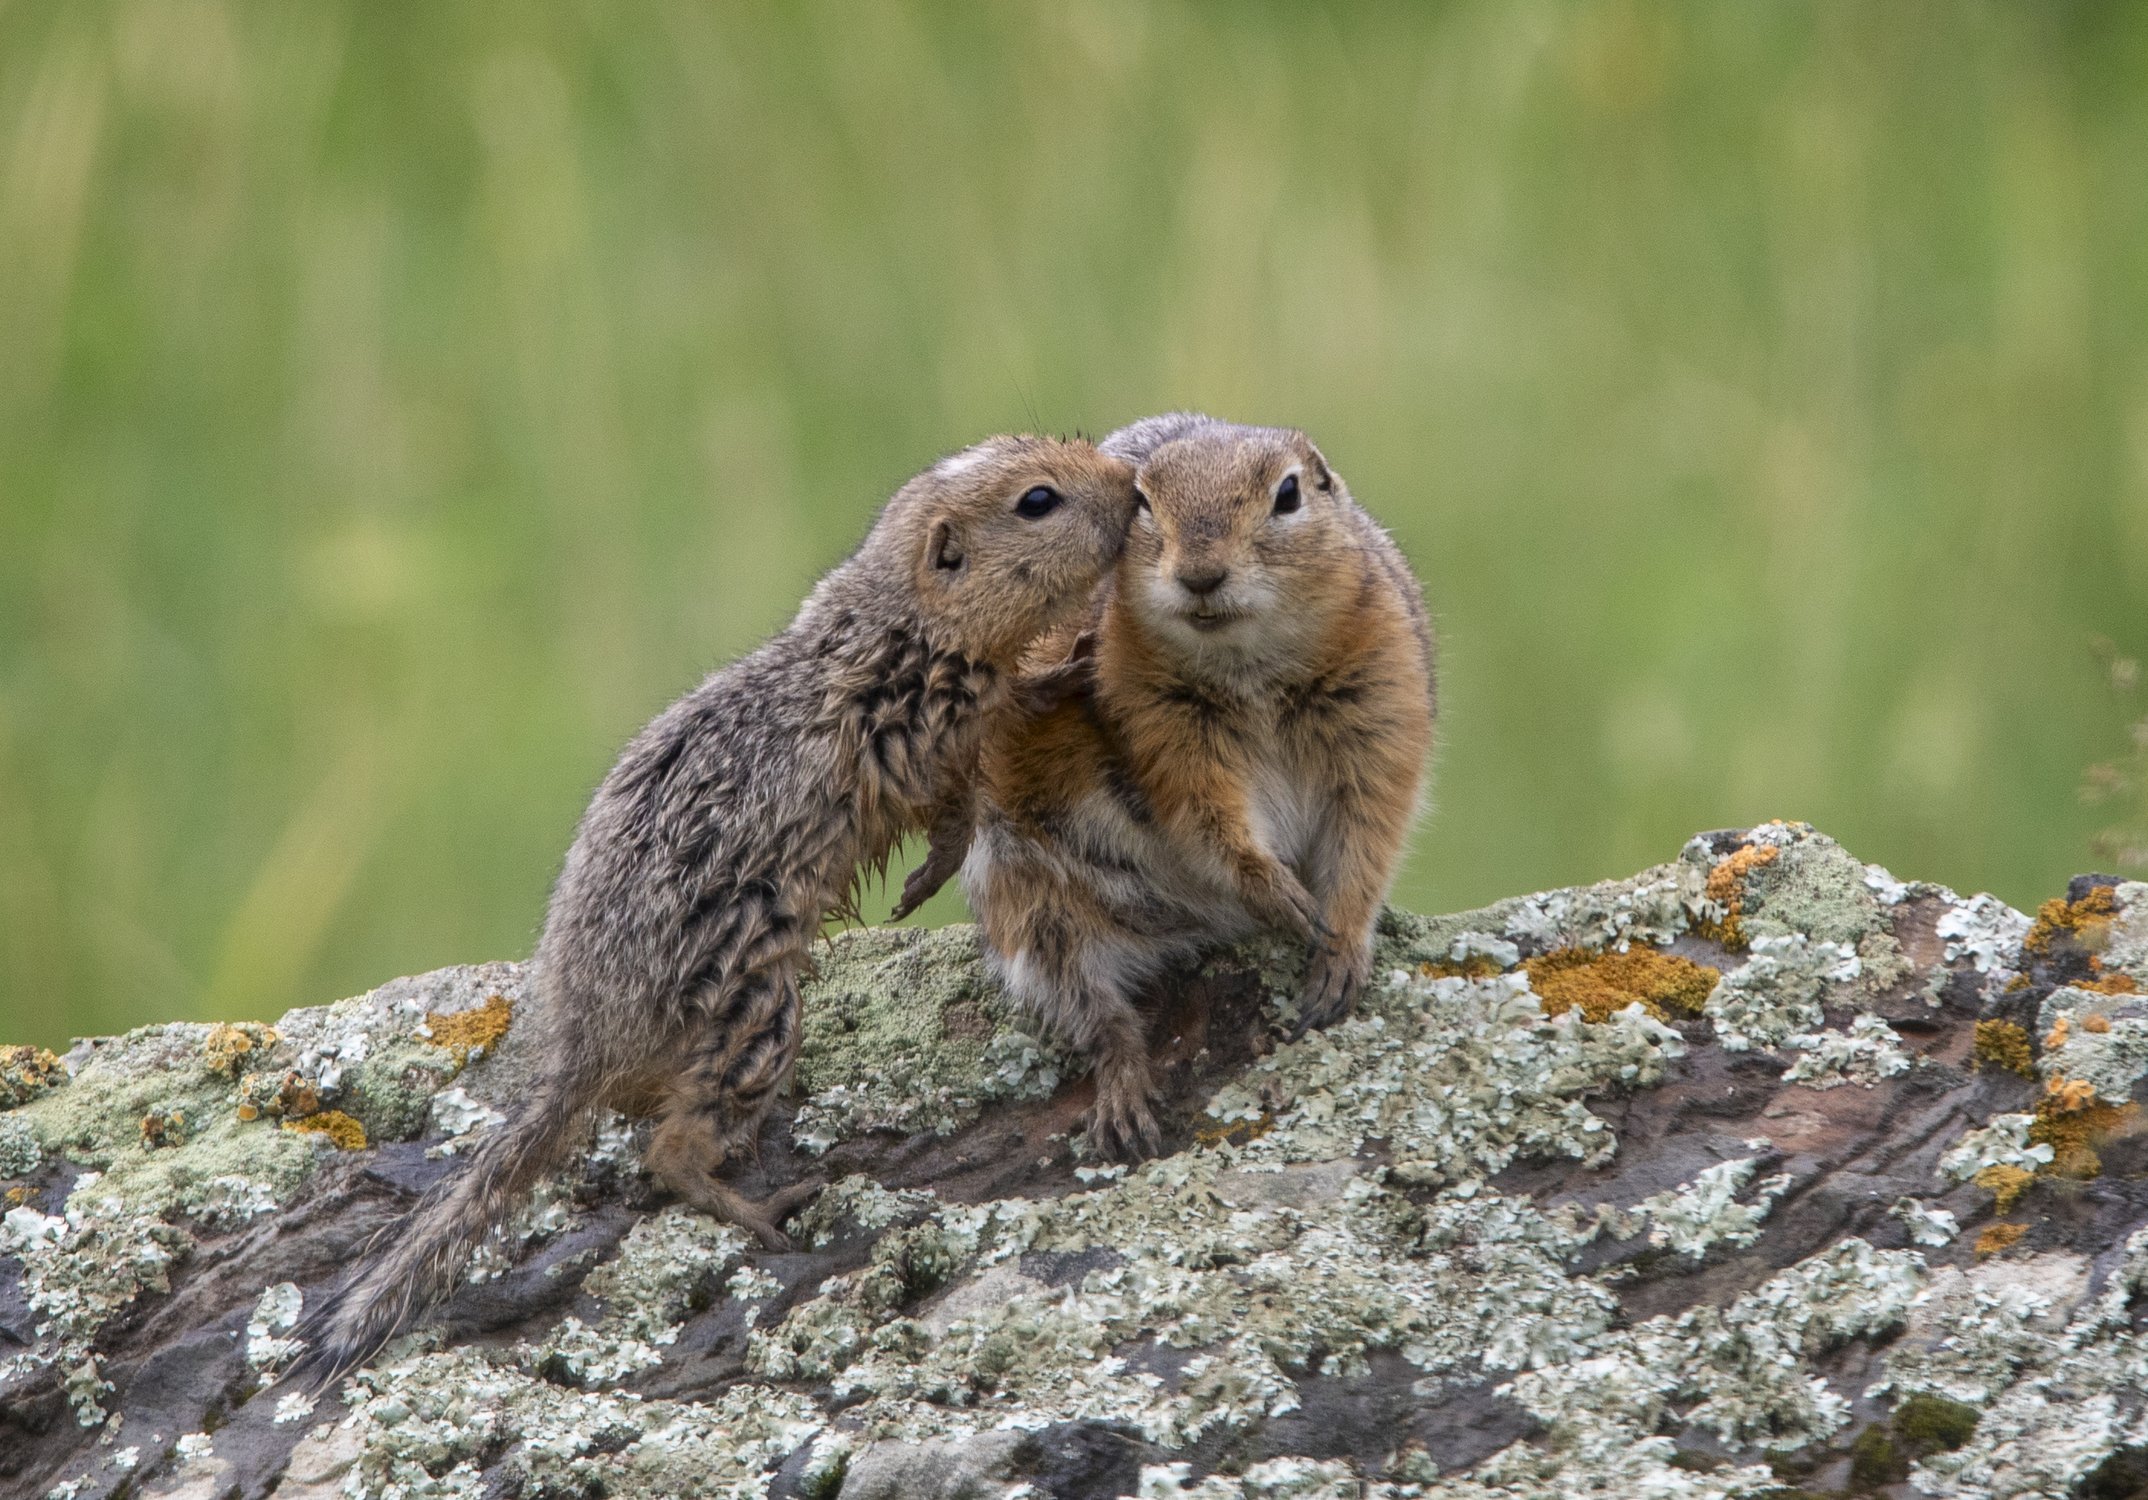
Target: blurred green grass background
point(400, 402)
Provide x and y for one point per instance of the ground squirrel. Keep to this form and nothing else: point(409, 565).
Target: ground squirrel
point(736, 822)
point(1250, 751)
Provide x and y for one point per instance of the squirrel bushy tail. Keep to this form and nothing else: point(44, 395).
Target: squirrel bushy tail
point(414, 1262)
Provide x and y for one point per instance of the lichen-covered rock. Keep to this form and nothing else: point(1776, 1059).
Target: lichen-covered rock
point(1762, 1173)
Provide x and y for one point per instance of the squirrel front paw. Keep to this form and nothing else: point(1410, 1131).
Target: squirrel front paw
point(1278, 896)
point(1332, 980)
point(949, 846)
point(922, 884)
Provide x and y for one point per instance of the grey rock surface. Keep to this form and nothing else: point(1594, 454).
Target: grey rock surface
point(1760, 1173)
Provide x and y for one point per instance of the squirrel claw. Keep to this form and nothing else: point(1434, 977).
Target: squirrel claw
point(1331, 985)
point(1123, 1128)
point(943, 857)
point(922, 884)
point(1127, 1140)
point(774, 1209)
point(1290, 905)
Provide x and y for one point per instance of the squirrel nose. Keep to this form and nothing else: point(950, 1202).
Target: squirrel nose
point(1202, 581)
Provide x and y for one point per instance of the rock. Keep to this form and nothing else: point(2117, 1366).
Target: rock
point(1727, 1223)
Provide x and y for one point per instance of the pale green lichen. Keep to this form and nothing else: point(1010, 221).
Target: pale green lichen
point(1779, 991)
point(425, 1424)
point(856, 1205)
point(1867, 1053)
point(1698, 1215)
point(663, 1271)
point(159, 1071)
point(1885, 889)
point(665, 1263)
point(751, 1284)
point(275, 1315)
point(2103, 1040)
point(649, 1288)
point(1884, 965)
point(580, 1355)
point(904, 1032)
point(2056, 1379)
point(2126, 945)
point(1926, 1225)
point(391, 1089)
point(460, 1119)
point(1484, 945)
point(1274, 1479)
point(1741, 1372)
point(1814, 887)
point(80, 1270)
point(1971, 1331)
point(1459, 1077)
point(1984, 930)
point(2001, 1141)
point(1260, 1272)
point(1653, 907)
point(20, 1153)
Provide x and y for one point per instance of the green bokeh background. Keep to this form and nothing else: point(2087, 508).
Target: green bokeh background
point(400, 402)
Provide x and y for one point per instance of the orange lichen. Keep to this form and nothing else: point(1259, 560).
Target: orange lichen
point(1237, 1132)
point(289, 1094)
point(26, 1072)
point(1600, 985)
point(226, 1048)
point(18, 1196)
point(2097, 1024)
point(1998, 1238)
point(346, 1133)
point(2003, 1044)
point(1476, 966)
point(2073, 1122)
point(2087, 922)
point(2006, 1185)
point(466, 1031)
point(2056, 1036)
point(163, 1129)
point(1726, 890)
point(2068, 1096)
point(2105, 982)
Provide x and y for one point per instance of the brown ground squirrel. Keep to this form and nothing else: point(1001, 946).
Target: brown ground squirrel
point(1250, 753)
point(735, 823)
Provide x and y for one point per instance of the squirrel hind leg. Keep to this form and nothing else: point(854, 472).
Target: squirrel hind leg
point(712, 1195)
point(1079, 991)
point(714, 1105)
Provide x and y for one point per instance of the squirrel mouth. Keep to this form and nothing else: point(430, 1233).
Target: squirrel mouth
point(1210, 619)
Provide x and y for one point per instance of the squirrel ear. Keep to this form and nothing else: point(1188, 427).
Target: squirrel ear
point(1323, 480)
point(943, 549)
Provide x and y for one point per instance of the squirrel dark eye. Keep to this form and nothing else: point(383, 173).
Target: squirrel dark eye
point(1141, 501)
point(1041, 501)
point(1286, 495)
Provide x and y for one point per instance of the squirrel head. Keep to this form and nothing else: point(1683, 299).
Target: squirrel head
point(1006, 538)
point(1240, 548)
